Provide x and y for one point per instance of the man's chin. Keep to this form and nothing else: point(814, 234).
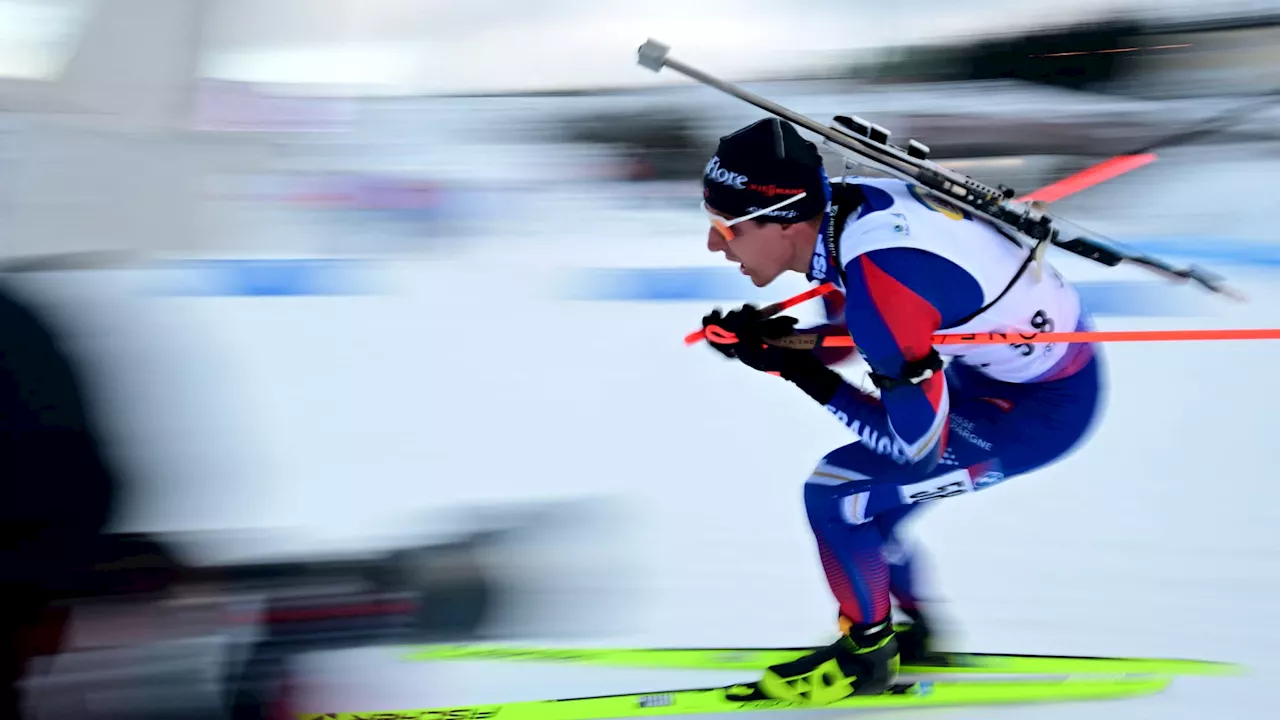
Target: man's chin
point(759, 280)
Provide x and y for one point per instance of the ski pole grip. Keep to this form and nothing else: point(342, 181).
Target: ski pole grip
point(653, 55)
point(796, 342)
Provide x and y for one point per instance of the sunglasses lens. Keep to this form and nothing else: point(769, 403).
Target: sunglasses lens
point(725, 231)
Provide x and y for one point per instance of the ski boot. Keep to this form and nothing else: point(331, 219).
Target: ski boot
point(915, 638)
point(864, 661)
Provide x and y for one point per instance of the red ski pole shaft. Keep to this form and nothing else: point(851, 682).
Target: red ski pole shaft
point(771, 310)
point(807, 342)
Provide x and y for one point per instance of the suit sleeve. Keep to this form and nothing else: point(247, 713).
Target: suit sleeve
point(893, 323)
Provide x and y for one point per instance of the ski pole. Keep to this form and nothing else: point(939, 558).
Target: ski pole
point(811, 341)
point(766, 311)
point(1142, 156)
point(1089, 177)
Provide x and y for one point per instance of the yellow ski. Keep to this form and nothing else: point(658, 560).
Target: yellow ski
point(751, 659)
point(714, 700)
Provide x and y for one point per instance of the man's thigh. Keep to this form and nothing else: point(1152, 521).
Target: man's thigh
point(990, 439)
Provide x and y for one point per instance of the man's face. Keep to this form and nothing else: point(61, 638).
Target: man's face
point(762, 250)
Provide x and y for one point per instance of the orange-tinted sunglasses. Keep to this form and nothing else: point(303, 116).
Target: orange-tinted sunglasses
point(725, 227)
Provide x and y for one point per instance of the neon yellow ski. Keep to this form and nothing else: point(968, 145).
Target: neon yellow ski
point(760, 658)
point(714, 700)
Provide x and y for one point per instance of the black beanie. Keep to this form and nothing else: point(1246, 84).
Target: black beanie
point(761, 165)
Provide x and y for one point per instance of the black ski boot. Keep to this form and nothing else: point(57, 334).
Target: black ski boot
point(864, 661)
point(915, 638)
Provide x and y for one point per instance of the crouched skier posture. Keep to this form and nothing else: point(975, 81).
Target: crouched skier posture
point(910, 267)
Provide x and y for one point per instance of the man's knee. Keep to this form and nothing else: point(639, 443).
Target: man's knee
point(835, 494)
point(828, 499)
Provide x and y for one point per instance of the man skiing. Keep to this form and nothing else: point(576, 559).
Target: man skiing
point(910, 266)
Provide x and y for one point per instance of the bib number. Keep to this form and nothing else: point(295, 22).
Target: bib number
point(1042, 323)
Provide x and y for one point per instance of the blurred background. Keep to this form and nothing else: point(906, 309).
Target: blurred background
point(374, 310)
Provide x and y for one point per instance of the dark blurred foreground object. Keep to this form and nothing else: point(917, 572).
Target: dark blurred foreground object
point(98, 625)
point(58, 492)
point(150, 639)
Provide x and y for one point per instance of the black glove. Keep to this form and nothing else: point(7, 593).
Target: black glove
point(747, 330)
point(751, 329)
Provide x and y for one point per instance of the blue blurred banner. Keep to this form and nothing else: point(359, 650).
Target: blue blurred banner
point(346, 277)
point(1132, 299)
point(268, 277)
point(290, 277)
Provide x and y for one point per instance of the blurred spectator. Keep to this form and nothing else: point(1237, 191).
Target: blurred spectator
point(58, 492)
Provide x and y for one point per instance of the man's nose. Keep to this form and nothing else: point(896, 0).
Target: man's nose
point(715, 241)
